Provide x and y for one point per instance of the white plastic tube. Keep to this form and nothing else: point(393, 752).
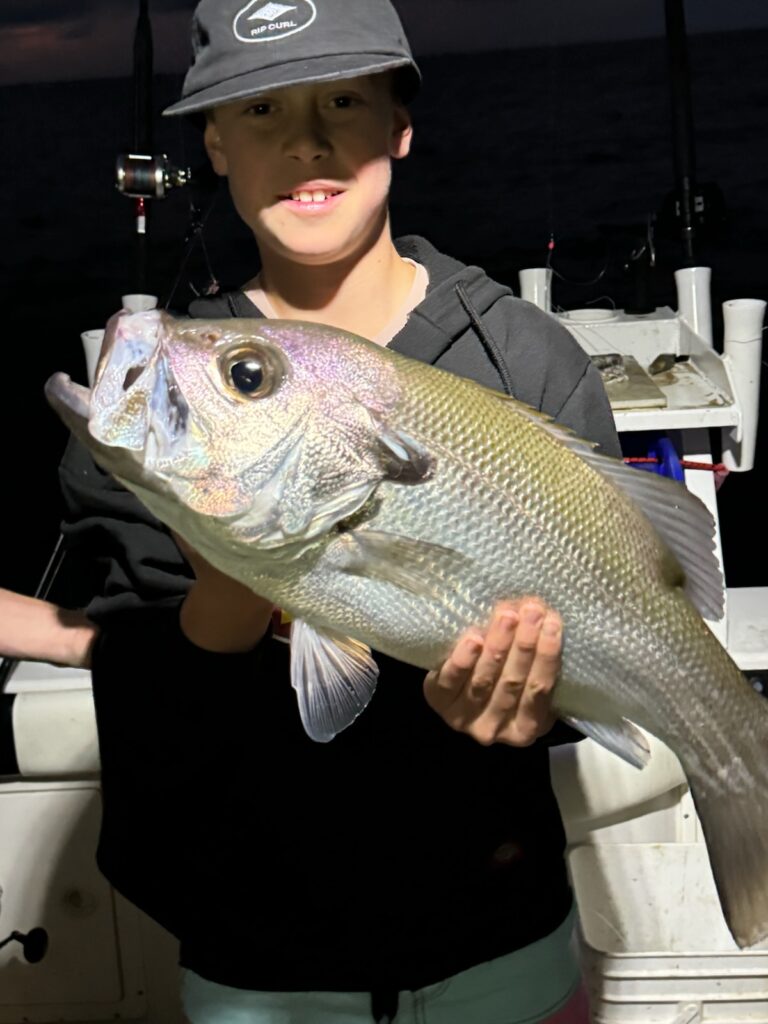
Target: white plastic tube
point(595, 788)
point(743, 348)
point(92, 340)
point(694, 301)
point(139, 303)
point(92, 347)
point(55, 733)
point(536, 287)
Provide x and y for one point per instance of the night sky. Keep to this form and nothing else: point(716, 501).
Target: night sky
point(58, 40)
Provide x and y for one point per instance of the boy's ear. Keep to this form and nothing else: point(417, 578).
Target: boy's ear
point(214, 148)
point(402, 133)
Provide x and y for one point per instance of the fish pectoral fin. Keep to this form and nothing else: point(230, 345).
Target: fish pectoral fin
point(334, 677)
point(403, 458)
point(622, 738)
point(415, 566)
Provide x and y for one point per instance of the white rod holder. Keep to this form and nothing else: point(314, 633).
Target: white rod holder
point(536, 287)
point(743, 347)
point(92, 341)
point(139, 303)
point(694, 302)
point(55, 733)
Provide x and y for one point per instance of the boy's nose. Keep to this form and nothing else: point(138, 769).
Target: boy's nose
point(308, 149)
point(307, 142)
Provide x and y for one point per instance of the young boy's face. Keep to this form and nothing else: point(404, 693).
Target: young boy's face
point(309, 165)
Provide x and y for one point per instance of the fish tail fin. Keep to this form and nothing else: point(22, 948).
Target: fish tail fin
point(732, 804)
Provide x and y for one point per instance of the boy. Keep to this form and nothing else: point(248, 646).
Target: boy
point(412, 868)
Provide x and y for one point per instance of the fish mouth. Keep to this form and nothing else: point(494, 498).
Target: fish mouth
point(72, 403)
point(136, 403)
point(135, 420)
point(70, 400)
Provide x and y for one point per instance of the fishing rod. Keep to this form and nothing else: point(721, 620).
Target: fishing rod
point(693, 209)
point(141, 175)
point(144, 175)
point(682, 124)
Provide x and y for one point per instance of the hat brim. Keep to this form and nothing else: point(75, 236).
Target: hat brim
point(301, 72)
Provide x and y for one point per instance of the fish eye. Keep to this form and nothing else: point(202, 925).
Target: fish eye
point(247, 375)
point(249, 372)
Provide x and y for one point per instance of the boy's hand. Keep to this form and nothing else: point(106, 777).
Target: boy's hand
point(35, 630)
point(498, 687)
point(219, 613)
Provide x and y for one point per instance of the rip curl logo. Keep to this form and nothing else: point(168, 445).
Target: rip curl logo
point(260, 22)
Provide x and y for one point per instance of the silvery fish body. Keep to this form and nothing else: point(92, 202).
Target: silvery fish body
point(389, 505)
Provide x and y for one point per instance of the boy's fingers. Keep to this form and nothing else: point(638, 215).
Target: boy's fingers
point(534, 715)
point(497, 687)
point(493, 658)
point(522, 651)
point(518, 710)
point(443, 686)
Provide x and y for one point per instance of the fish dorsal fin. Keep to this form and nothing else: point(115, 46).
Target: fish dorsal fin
point(334, 677)
point(681, 519)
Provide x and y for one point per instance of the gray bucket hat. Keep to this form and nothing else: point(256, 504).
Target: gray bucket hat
point(243, 47)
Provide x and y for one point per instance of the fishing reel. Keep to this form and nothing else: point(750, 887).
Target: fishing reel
point(148, 177)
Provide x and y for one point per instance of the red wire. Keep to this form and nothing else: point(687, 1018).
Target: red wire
point(716, 467)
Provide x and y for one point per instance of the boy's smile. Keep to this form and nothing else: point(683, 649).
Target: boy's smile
point(313, 197)
point(309, 166)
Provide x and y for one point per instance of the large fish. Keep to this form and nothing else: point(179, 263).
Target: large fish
point(389, 505)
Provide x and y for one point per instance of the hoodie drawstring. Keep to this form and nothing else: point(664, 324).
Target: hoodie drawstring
point(486, 339)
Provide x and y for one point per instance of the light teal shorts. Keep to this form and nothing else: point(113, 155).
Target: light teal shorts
point(531, 984)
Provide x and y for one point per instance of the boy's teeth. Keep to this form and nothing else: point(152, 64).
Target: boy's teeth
point(318, 196)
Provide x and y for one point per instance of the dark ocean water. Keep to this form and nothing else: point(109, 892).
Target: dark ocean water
point(510, 147)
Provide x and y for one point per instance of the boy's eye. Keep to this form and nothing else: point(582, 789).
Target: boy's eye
point(343, 102)
point(258, 109)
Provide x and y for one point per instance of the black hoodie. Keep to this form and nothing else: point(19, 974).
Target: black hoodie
point(398, 854)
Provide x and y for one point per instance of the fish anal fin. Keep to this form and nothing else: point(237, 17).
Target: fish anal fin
point(621, 737)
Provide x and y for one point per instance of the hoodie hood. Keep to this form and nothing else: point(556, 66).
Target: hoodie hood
point(457, 298)
point(440, 310)
point(439, 307)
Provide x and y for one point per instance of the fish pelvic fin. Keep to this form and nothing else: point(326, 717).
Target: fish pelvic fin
point(334, 677)
point(732, 804)
point(622, 738)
